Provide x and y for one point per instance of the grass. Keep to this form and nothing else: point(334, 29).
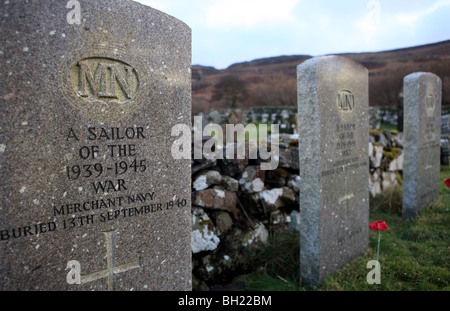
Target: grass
point(388, 127)
point(414, 255)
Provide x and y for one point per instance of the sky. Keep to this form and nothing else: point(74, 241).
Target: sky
point(225, 32)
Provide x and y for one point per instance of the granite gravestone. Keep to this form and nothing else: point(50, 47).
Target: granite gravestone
point(333, 144)
point(91, 198)
point(422, 134)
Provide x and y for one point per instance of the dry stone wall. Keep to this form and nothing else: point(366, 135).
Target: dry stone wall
point(237, 206)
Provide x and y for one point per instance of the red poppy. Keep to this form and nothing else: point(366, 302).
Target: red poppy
point(378, 225)
point(447, 182)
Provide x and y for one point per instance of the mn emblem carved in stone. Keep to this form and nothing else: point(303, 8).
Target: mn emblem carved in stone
point(345, 102)
point(103, 79)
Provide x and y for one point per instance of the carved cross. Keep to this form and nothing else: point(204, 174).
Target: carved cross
point(111, 270)
point(345, 198)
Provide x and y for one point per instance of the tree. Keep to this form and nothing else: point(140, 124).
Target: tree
point(231, 88)
point(276, 89)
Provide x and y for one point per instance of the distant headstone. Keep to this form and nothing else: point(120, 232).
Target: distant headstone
point(333, 143)
point(422, 134)
point(90, 196)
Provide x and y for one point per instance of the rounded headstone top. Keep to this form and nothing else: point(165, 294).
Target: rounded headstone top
point(327, 60)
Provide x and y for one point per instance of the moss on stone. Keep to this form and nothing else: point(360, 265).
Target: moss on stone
point(208, 223)
point(392, 154)
point(399, 178)
point(374, 132)
point(397, 151)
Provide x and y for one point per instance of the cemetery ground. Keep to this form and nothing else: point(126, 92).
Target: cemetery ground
point(414, 255)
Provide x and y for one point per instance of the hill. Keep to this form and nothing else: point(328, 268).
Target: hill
point(272, 81)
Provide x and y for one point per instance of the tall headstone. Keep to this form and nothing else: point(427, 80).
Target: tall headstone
point(90, 193)
point(422, 134)
point(333, 145)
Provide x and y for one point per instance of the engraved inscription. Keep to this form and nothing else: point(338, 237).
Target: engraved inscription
point(346, 140)
point(345, 101)
point(104, 160)
point(105, 79)
point(104, 83)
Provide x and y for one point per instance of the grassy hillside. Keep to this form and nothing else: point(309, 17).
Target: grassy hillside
point(272, 81)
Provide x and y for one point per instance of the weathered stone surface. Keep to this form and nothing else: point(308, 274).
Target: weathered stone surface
point(375, 188)
point(397, 163)
point(223, 221)
point(199, 165)
point(204, 236)
point(230, 183)
point(236, 254)
point(206, 179)
point(232, 167)
point(397, 140)
point(376, 156)
point(254, 186)
point(277, 178)
point(289, 159)
point(375, 183)
point(389, 180)
point(294, 183)
point(86, 167)
point(250, 173)
point(334, 168)
point(217, 199)
point(252, 180)
point(259, 234)
point(294, 224)
point(422, 132)
point(279, 218)
point(275, 198)
point(381, 139)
